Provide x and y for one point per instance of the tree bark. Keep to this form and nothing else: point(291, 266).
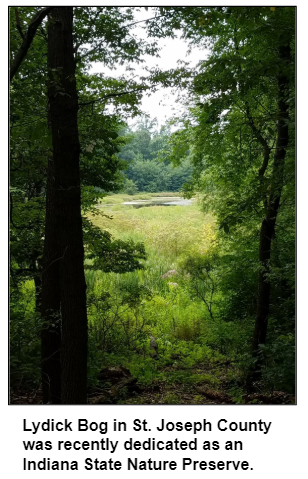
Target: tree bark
point(268, 224)
point(63, 102)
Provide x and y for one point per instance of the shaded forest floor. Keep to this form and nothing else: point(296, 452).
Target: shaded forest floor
point(127, 391)
point(196, 391)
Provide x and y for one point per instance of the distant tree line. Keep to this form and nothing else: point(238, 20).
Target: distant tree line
point(148, 169)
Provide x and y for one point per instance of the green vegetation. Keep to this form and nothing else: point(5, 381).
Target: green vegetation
point(198, 351)
point(181, 304)
point(146, 170)
point(201, 324)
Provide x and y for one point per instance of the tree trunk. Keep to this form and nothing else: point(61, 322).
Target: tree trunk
point(269, 222)
point(63, 102)
point(50, 299)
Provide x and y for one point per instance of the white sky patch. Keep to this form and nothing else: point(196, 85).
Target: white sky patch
point(163, 103)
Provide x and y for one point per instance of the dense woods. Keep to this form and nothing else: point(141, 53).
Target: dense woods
point(148, 169)
point(121, 290)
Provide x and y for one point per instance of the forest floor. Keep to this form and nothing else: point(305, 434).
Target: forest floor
point(163, 393)
point(196, 392)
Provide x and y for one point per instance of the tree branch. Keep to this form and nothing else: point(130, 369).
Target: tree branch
point(262, 141)
point(18, 24)
point(27, 41)
point(112, 95)
point(123, 26)
point(146, 20)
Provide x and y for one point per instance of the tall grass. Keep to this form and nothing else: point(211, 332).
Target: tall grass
point(170, 232)
point(165, 308)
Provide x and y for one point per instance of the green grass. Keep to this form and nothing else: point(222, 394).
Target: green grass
point(171, 231)
point(169, 234)
point(187, 339)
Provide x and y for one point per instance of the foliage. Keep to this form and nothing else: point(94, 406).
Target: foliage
point(241, 133)
point(107, 255)
point(130, 187)
point(148, 168)
point(25, 328)
point(186, 275)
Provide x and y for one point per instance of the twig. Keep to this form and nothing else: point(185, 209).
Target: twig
point(112, 95)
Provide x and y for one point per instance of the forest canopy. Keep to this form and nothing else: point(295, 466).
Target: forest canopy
point(152, 262)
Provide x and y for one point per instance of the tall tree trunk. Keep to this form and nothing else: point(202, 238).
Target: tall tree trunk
point(268, 224)
point(50, 299)
point(63, 102)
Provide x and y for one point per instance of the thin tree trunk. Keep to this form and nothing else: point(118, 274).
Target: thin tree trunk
point(268, 224)
point(50, 298)
point(37, 267)
point(63, 102)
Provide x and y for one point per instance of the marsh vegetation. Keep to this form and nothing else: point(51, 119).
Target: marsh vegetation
point(180, 297)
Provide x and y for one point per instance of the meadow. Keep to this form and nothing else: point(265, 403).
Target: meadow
point(173, 331)
point(126, 310)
